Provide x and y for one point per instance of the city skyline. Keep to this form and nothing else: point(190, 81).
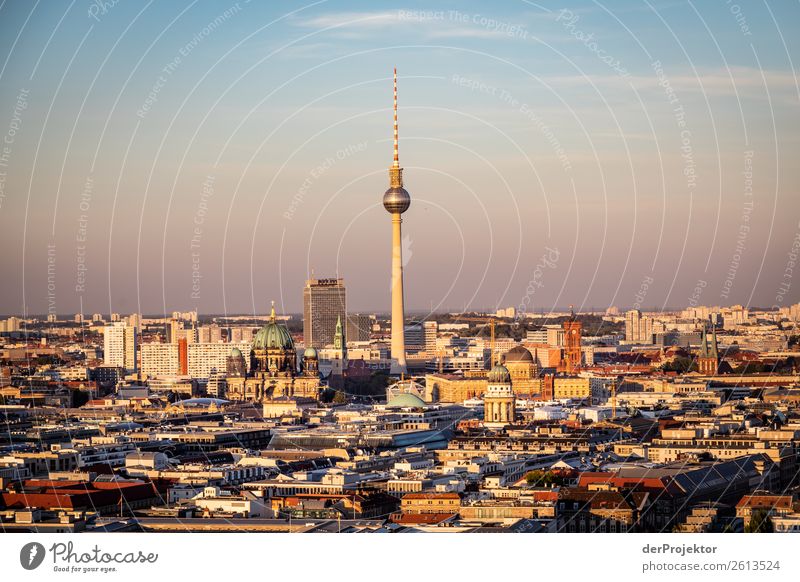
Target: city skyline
point(216, 315)
point(536, 164)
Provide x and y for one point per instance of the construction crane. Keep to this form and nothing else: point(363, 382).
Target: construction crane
point(614, 387)
point(440, 353)
point(490, 321)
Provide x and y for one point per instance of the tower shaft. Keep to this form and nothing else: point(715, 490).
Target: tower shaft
point(398, 308)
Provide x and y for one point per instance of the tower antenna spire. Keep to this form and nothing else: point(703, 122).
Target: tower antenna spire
point(396, 162)
point(395, 171)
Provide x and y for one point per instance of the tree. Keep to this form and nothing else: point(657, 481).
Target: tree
point(539, 478)
point(681, 365)
point(760, 522)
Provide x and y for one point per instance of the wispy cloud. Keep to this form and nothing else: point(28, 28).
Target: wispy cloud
point(429, 24)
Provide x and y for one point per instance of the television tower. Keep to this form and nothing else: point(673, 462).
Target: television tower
point(396, 201)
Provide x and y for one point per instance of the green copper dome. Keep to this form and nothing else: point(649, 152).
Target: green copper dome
point(499, 375)
point(273, 335)
point(406, 401)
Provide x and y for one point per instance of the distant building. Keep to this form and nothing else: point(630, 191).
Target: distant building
point(119, 346)
point(358, 328)
point(10, 325)
point(451, 388)
point(240, 334)
point(431, 332)
point(274, 375)
point(209, 334)
point(201, 358)
point(324, 301)
point(638, 329)
point(708, 360)
point(572, 345)
point(414, 336)
point(499, 401)
point(523, 369)
point(159, 359)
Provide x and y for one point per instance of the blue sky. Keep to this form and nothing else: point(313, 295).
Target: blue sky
point(179, 155)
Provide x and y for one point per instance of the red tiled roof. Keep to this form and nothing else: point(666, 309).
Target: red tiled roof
point(431, 495)
point(49, 494)
point(421, 518)
point(770, 501)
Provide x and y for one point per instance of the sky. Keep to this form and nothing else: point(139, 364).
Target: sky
point(161, 156)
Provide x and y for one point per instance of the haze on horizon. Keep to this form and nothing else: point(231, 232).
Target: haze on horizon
point(626, 154)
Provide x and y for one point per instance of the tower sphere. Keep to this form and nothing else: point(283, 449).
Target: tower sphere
point(396, 200)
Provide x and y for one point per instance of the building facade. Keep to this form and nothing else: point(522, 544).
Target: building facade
point(119, 346)
point(324, 302)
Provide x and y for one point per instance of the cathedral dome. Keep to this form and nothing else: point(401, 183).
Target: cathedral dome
point(273, 335)
point(310, 354)
point(518, 354)
point(499, 375)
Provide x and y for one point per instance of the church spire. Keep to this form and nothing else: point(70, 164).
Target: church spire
point(338, 336)
point(714, 347)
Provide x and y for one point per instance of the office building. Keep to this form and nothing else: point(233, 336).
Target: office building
point(324, 302)
point(431, 331)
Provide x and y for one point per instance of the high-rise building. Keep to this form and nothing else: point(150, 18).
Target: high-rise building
point(431, 329)
point(324, 303)
point(190, 316)
point(396, 201)
point(358, 328)
point(638, 329)
point(10, 325)
point(536, 336)
point(555, 335)
point(414, 336)
point(177, 331)
point(202, 359)
point(216, 384)
point(160, 359)
point(240, 334)
point(193, 359)
point(209, 334)
point(135, 320)
point(119, 346)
